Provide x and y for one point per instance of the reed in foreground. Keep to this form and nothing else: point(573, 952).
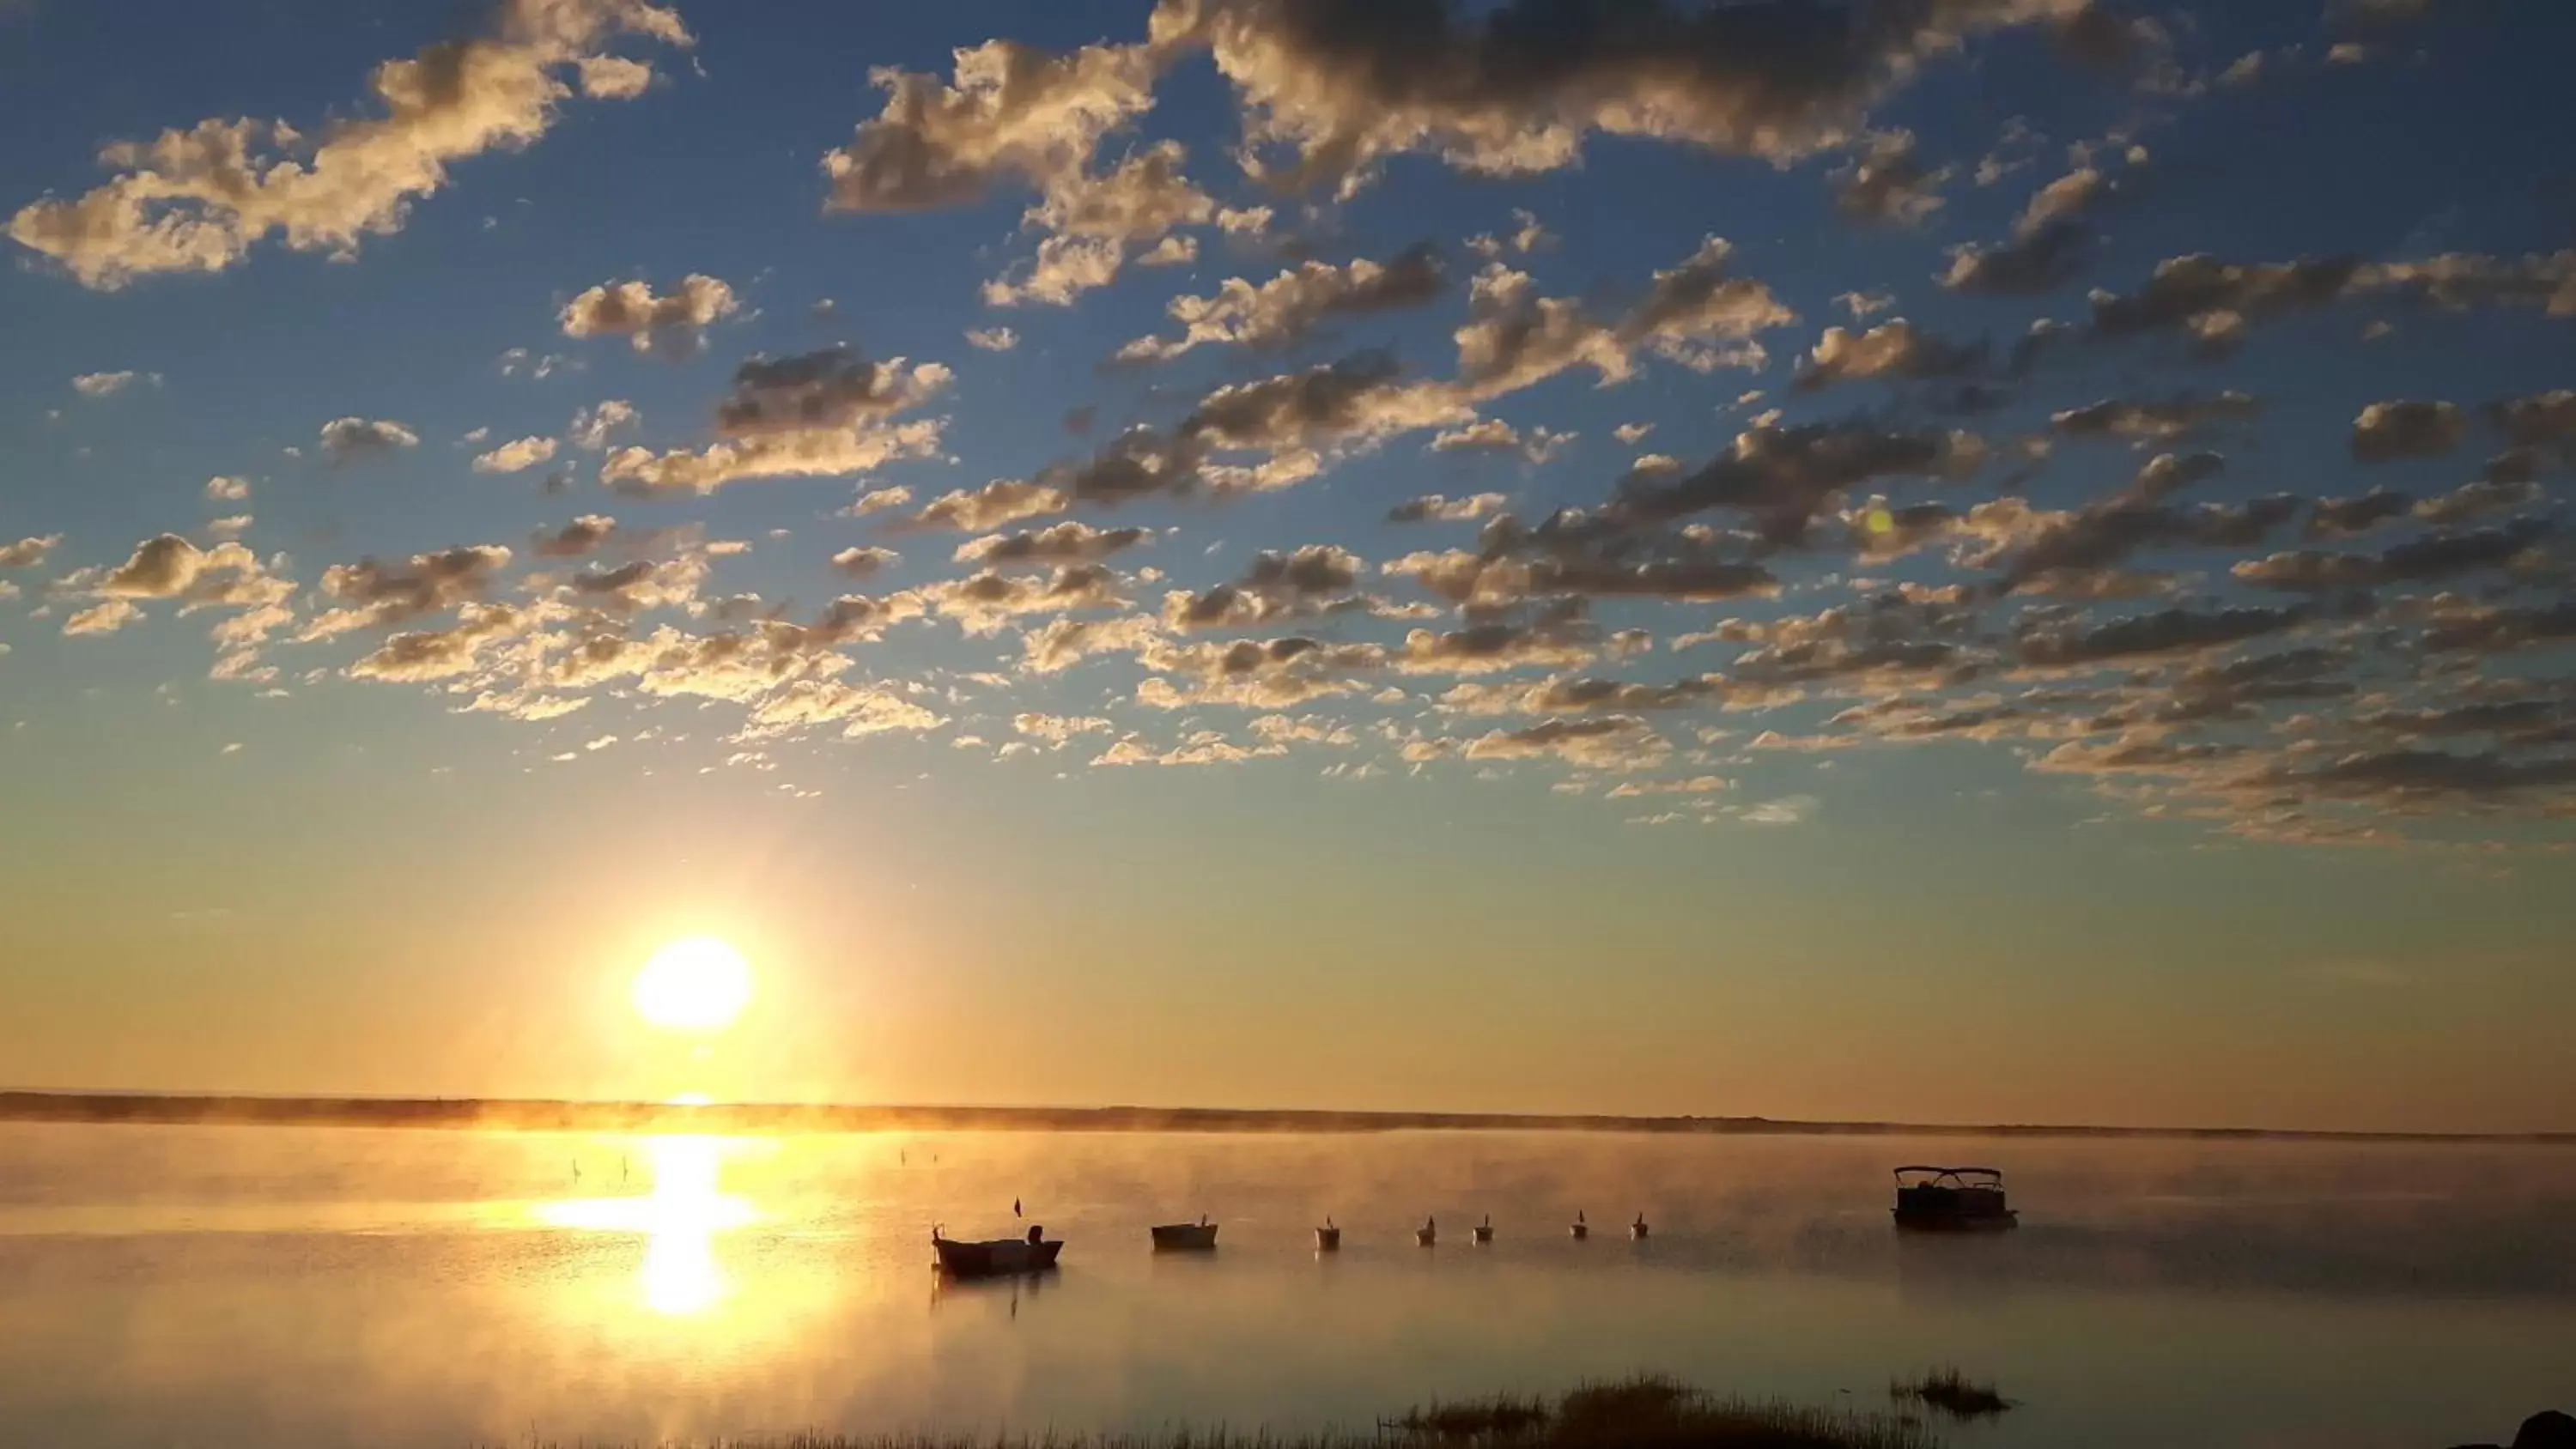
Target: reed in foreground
point(1638, 1413)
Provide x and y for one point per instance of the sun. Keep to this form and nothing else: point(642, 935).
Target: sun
point(696, 983)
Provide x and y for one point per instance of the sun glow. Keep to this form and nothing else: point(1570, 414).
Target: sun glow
point(695, 984)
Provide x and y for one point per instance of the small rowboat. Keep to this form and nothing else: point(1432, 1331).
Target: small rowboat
point(996, 1258)
point(1485, 1230)
point(1429, 1233)
point(1197, 1237)
point(1328, 1239)
point(1637, 1229)
point(1581, 1229)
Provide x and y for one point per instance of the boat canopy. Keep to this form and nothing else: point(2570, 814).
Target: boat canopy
point(1991, 1174)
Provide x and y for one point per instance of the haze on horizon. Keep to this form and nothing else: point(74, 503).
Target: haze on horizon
point(1959, 561)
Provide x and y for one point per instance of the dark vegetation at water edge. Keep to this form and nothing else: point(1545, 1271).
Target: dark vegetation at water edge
point(1640, 1413)
point(557, 1116)
point(1952, 1393)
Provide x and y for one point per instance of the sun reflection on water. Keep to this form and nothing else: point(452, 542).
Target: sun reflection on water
point(679, 1219)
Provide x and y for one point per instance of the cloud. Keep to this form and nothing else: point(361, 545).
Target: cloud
point(424, 656)
point(1493, 435)
point(614, 77)
point(1618, 742)
point(105, 617)
point(1284, 309)
point(860, 563)
point(2476, 500)
point(1493, 647)
point(1433, 508)
point(1333, 91)
point(878, 500)
point(591, 426)
point(1059, 644)
point(2459, 625)
point(1266, 674)
point(2216, 302)
point(515, 457)
point(1884, 183)
point(2044, 551)
point(860, 711)
point(2345, 517)
point(1312, 579)
point(28, 552)
point(2541, 420)
point(1787, 810)
point(985, 602)
point(2042, 261)
point(222, 489)
point(992, 339)
point(200, 199)
point(1011, 111)
point(1895, 349)
point(2437, 555)
point(1573, 694)
point(1205, 747)
point(347, 439)
point(834, 388)
point(1696, 313)
point(2155, 419)
point(1067, 542)
point(996, 504)
point(1092, 223)
point(2170, 632)
point(167, 566)
point(1783, 479)
point(816, 453)
point(109, 384)
point(2386, 431)
point(820, 414)
point(2049, 243)
point(671, 326)
point(581, 536)
point(1057, 729)
point(372, 594)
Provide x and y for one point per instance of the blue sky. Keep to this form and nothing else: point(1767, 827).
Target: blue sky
point(1870, 688)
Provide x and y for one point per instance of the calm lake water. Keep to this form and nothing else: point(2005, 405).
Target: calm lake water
point(225, 1288)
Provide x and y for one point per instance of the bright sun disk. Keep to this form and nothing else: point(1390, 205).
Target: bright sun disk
point(697, 983)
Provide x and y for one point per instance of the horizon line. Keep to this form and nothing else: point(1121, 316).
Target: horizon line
point(111, 1107)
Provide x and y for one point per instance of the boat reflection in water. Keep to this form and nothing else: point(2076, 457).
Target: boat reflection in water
point(678, 1218)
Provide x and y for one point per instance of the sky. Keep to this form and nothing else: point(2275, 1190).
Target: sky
point(1945, 560)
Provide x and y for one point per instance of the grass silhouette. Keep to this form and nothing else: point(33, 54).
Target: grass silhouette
point(1646, 1412)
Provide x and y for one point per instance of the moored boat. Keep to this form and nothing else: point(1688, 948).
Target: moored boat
point(1952, 1200)
point(1428, 1234)
point(1328, 1238)
point(1485, 1230)
point(1637, 1229)
point(1197, 1237)
point(1581, 1229)
point(995, 1257)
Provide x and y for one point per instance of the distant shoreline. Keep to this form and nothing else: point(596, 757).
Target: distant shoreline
point(175, 1109)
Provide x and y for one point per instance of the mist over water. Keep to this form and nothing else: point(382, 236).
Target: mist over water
point(227, 1288)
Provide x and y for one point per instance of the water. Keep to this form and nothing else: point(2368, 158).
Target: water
point(255, 1288)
